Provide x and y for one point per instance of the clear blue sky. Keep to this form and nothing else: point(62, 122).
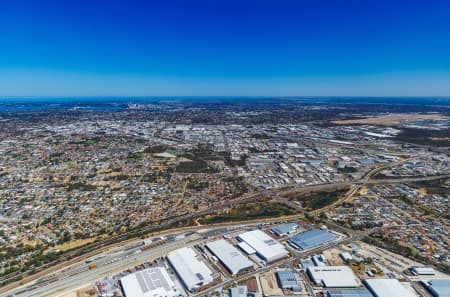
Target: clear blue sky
point(164, 47)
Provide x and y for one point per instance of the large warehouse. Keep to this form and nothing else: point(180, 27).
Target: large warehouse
point(388, 287)
point(287, 280)
point(229, 256)
point(284, 229)
point(438, 287)
point(149, 283)
point(265, 246)
point(347, 293)
point(311, 239)
point(334, 276)
point(193, 272)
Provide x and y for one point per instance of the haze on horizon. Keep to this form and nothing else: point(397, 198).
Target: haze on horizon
point(225, 48)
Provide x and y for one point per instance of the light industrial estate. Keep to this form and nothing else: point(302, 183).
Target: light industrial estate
point(218, 199)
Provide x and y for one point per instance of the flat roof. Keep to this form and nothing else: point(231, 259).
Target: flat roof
point(438, 287)
point(388, 287)
point(311, 239)
point(149, 283)
point(347, 293)
point(284, 229)
point(246, 248)
point(423, 270)
point(239, 291)
point(229, 256)
point(288, 280)
point(334, 276)
point(265, 246)
point(193, 272)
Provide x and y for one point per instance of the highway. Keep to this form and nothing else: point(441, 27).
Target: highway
point(77, 275)
point(80, 275)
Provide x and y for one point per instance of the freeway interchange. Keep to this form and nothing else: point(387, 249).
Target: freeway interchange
point(75, 273)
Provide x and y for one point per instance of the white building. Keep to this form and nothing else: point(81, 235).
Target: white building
point(149, 283)
point(388, 287)
point(333, 276)
point(265, 246)
point(423, 270)
point(246, 248)
point(193, 272)
point(229, 256)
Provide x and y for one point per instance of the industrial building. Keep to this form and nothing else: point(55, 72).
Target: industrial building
point(193, 272)
point(229, 256)
point(423, 270)
point(382, 287)
point(149, 283)
point(265, 246)
point(333, 276)
point(311, 239)
point(347, 293)
point(345, 256)
point(287, 280)
point(319, 260)
point(239, 291)
point(438, 287)
point(284, 229)
point(246, 248)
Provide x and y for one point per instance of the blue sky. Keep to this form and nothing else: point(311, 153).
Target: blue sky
point(129, 48)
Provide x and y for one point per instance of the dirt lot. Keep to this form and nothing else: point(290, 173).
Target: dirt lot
point(391, 119)
point(333, 257)
point(269, 284)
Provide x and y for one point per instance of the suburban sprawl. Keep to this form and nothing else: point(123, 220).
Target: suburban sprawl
point(199, 198)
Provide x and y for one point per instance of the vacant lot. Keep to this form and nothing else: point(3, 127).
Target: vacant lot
point(269, 284)
point(320, 199)
point(248, 212)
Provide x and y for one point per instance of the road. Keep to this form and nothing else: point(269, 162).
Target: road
point(274, 193)
point(79, 275)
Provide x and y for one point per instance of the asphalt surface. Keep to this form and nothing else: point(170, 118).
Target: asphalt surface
point(78, 275)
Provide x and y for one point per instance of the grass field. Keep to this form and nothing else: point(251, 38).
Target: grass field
point(73, 244)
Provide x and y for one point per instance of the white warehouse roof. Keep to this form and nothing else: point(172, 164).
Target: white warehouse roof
point(149, 283)
point(229, 256)
point(388, 287)
point(423, 270)
point(265, 246)
point(193, 272)
point(334, 276)
point(246, 248)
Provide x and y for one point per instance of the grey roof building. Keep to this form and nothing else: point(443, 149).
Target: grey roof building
point(229, 256)
point(239, 291)
point(347, 293)
point(311, 239)
point(287, 280)
point(438, 287)
point(284, 229)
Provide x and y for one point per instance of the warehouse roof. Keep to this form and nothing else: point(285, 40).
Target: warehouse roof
point(438, 287)
point(287, 280)
point(311, 239)
point(239, 291)
point(266, 247)
point(387, 287)
point(334, 276)
point(229, 256)
point(246, 248)
point(347, 293)
point(284, 229)
point(148, 283)
point(421, 270)
point(190, 269)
